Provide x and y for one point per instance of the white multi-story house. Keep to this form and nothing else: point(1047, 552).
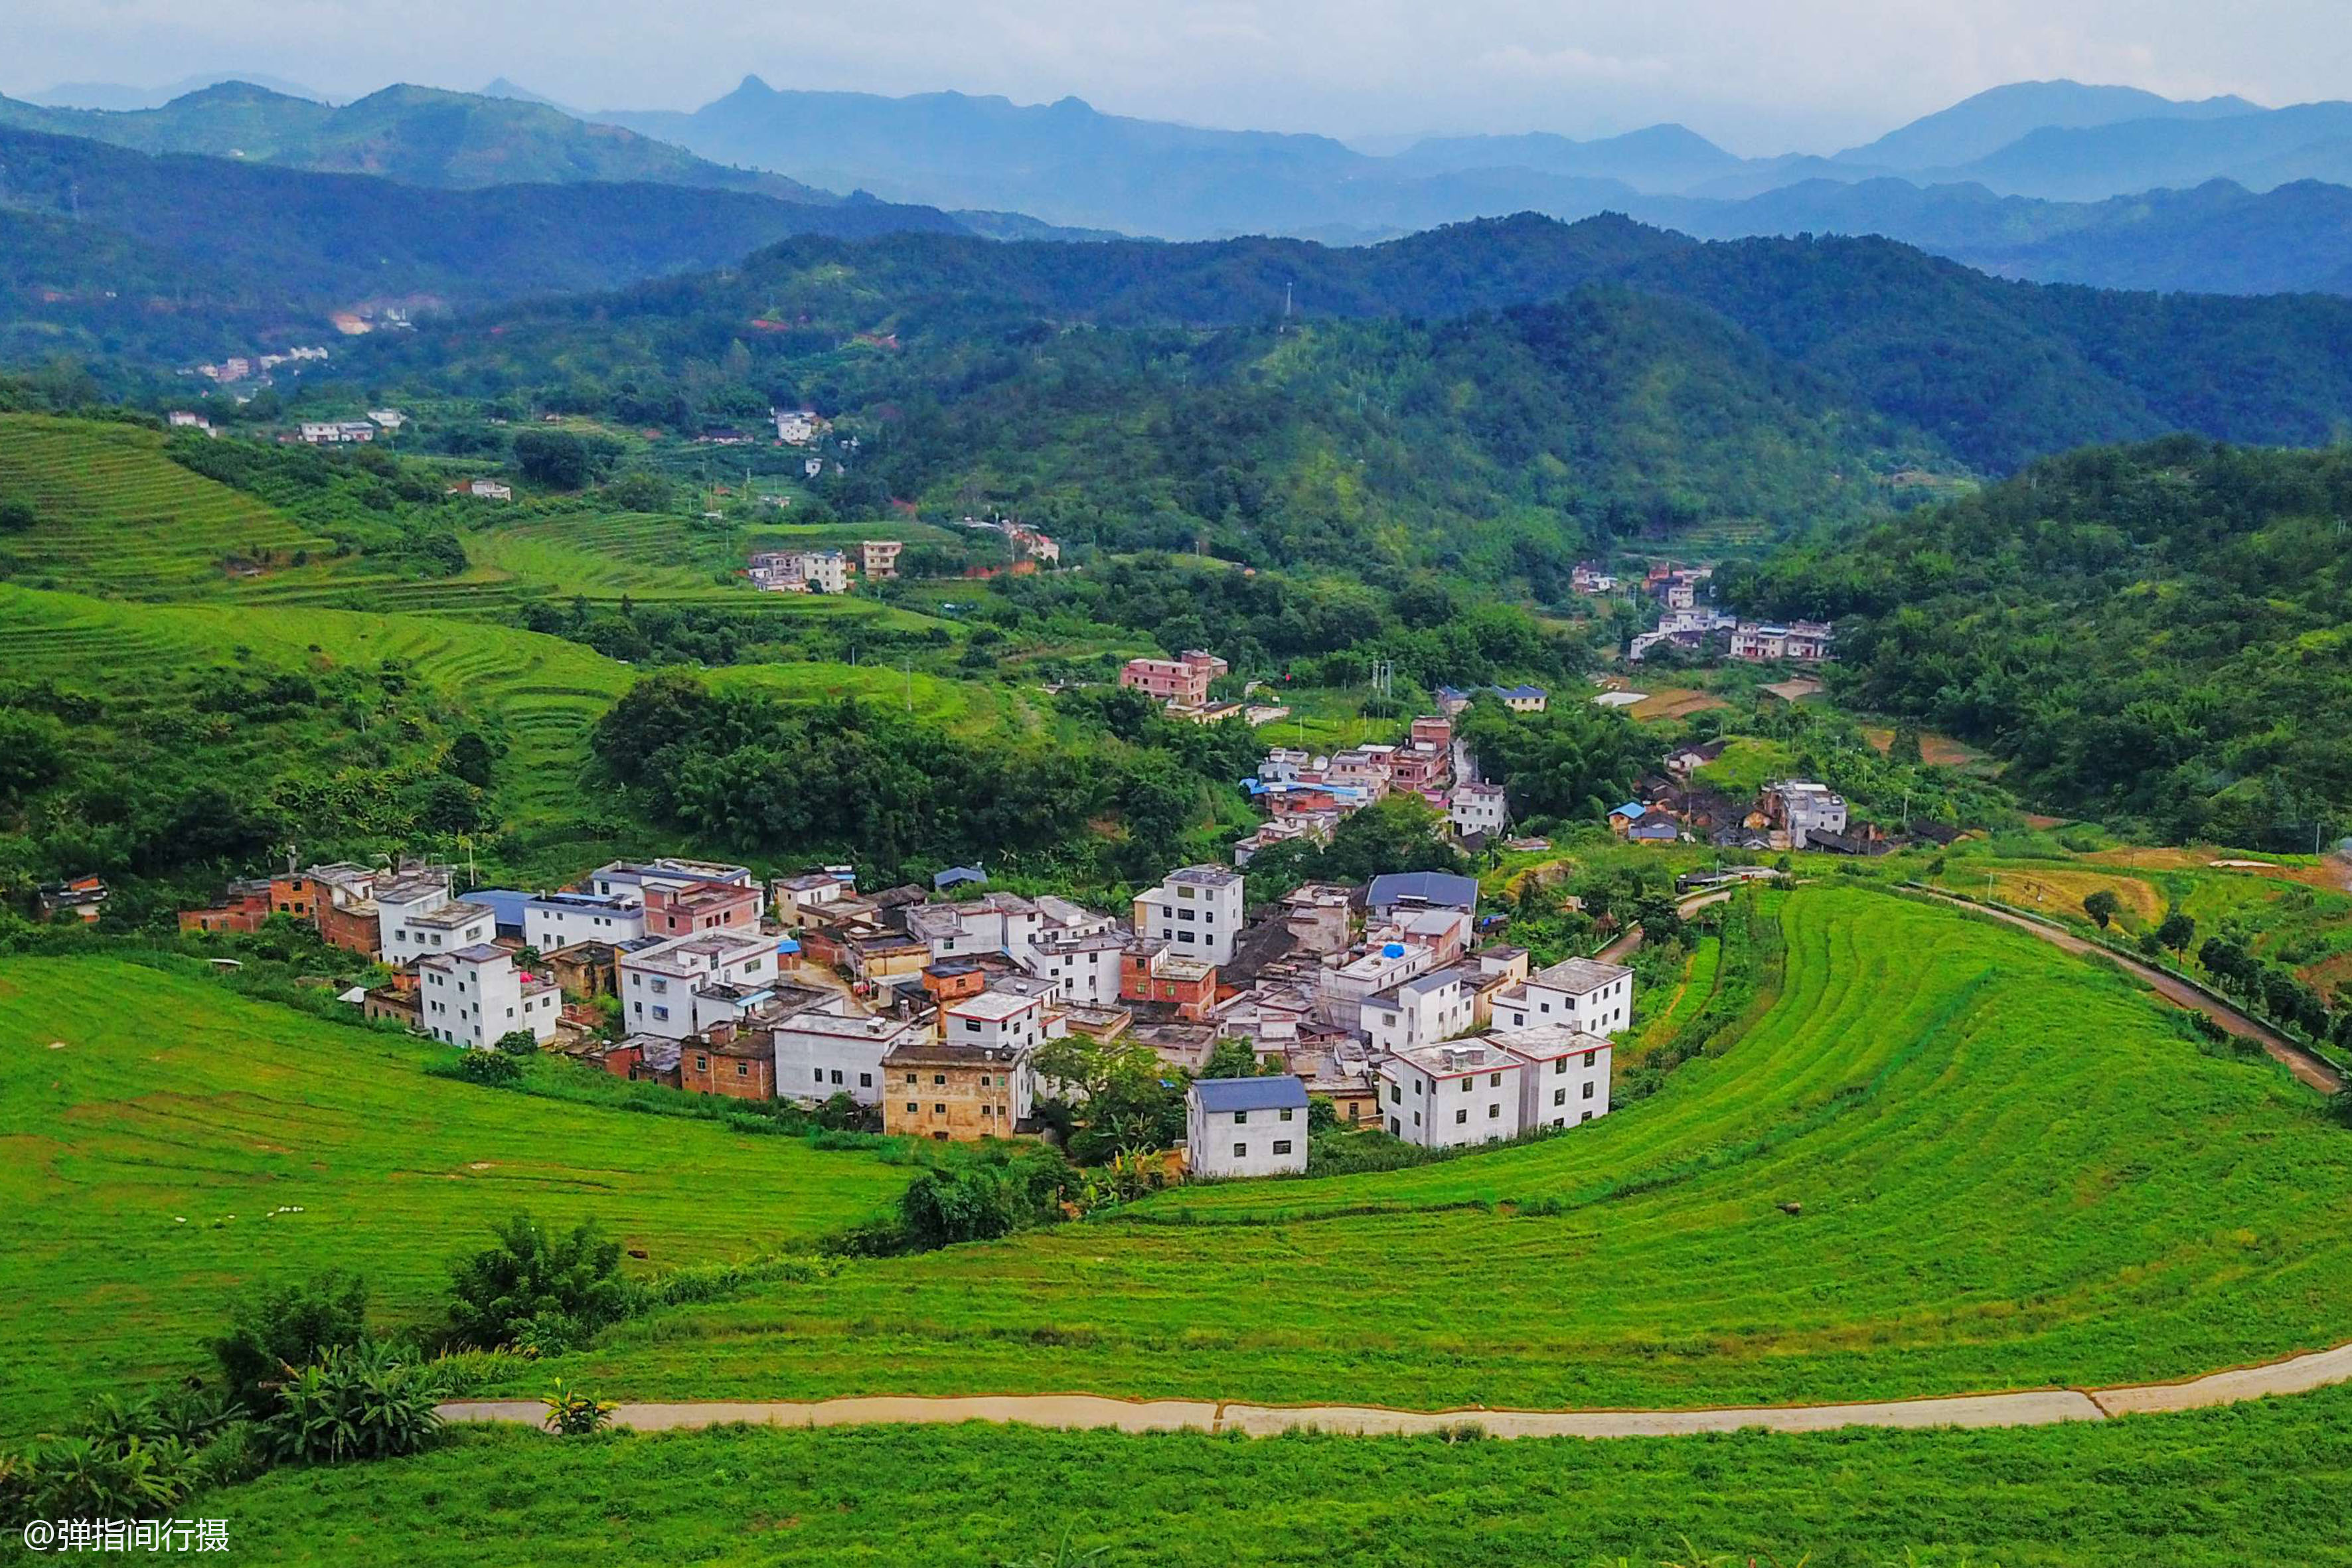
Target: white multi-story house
point(1798, 807)
point(798, 427)
point(635, 875)
point(1341, 990)
point(681, 985)
point(475, 994)
point(820, 1055)
point(1479, 808)
point(1245, 1127)
point(415, 917)
point(795, 897)
point(1446, 1095)
point(1567, 1077)
point(1005, 1020)
point(1087, 967)
point(1422, 1010)
point(1196, 908)
point(550, 920)
point(1580, 992)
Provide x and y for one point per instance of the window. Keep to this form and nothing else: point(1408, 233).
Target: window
point(1240, 1150)
point(742, 1069)
point(1461, 1116)
point(1588, 1088)
point(1286, 1114)
point(1494, 1110)
point(1560, 1097)
point(940, 1109)
point(1239, 1117)
point(910, 1078)
point(661, 1012)
point(1559, 1063)
point(1416, 1119)
point(1281, 1145)
point(1396, 1095)
point(865, 1080)
point(1494, 1080)
point(911, 1108)
point(938, 1078)
point(971, 1026)
point(701, 1064)
point(1589, 1056)
point(1586, 1117)
point(1395, 1128)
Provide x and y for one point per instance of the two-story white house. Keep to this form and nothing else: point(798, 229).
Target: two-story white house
point(1245, 1127)
point(1567, 1079)
point(475, 994)
point(1479, 808)
point(1581, 993)
point(1006, 1019)
point(820, 1055)
point(1428, 1008)
point(633, 877)
point(1450, 1095)
point(1198, 908)
point(553, 921)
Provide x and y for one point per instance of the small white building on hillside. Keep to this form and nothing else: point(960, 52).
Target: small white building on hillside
point(1581, 993)
point(1245, 1127)
point(1566, 1078)
point(550, 920)
point(820, 1055)
point(1196, 908)
point(682, 985)
point(415, 917)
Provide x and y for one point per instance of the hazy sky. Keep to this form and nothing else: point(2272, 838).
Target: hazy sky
point(1758, 75)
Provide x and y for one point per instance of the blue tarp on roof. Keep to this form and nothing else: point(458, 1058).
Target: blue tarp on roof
point(1439, 887)
point(1221, 1094)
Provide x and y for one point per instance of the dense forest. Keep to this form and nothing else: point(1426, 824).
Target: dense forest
point(2154, 635)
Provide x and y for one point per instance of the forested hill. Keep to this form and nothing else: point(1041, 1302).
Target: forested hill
point(108, 252)
point(2160, 634)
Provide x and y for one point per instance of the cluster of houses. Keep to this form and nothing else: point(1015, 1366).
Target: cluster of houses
point(248, 367)
point(1029, 546)
point(933, 1011)
point(823, 570)
point(1306, 796)
point(1677, 807)
point(1709, 632)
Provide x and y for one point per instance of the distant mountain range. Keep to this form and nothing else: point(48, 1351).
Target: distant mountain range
point(116, 96)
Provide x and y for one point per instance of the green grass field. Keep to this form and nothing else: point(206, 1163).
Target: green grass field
point(2014, 1170)
point(156, 1127)
point(2257, 1484)
point(114, 516)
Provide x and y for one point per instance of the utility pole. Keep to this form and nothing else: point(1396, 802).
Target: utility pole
point(909, 667)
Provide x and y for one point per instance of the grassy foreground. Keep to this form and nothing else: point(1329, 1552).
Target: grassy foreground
point(2253, 1484)
point(2015, 1171)
point(164, 1143)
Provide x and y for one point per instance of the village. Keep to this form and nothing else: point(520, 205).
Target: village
point(930, 1010)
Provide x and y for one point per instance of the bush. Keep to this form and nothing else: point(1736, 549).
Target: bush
point(516, 1043)
point(358, 1403)
point(573, 1413)
point(280, 1327)
point(530, 1275)
point(979, 1201)
point(493, 1069)
point(87, 1478)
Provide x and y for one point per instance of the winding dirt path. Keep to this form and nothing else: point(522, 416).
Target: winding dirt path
point(2022, 1407)
point(2307, 1067)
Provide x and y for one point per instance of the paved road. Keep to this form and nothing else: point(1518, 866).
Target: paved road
point(1616, 952)
point(2025, 1407)
point(2310, 1068)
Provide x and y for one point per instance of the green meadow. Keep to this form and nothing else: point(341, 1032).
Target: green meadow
point(2259, 1483)
point(2011, 1169)
point(164, 1144)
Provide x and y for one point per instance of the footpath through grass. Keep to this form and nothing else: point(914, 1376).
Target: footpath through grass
point(2255, 1484)
point(165, 1143)
point(2013, 1170)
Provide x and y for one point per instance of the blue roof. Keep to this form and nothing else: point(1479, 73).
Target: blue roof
point(506, 904)
point(1451, 691)
point(1518, 691)
point(788, 944)
point(1658, 829)
point(955, 876)
point(1219, 1094)
point(1440, 887)
point(1632, 811)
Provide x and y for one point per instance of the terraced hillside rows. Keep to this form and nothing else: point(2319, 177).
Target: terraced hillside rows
point(2009, 1168)
point(164, 1151)
point(113, 515)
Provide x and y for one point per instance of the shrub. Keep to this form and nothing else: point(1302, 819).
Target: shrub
point(279, 1327)
point(529, 1274)
point(573, 1413)
point(516, 1043)
point(87, 1478)
point(977, 1201)
point(494, 1069)
point(358, 1402)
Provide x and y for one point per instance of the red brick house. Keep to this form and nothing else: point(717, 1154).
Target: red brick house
point(701, 907)
point(1149, 971)
point(740, 1066)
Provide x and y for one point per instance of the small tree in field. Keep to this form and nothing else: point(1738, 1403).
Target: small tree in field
point(2102, 906)
point(2177, 932)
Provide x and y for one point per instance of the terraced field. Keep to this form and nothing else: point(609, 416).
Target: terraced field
point(158, 1156)
point(114, 516)
point(2012, 1170)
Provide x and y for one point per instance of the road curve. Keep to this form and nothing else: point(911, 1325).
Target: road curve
point(2310, 1068)
point(2022, 1407)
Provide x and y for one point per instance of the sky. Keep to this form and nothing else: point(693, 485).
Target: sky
point(1758, 76)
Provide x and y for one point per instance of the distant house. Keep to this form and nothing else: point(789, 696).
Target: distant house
point(1411, 891)
point(490, 490)
point(1590, 579)
point(879, 558)
point(1685, 761)
point(1798, 808)
point(1448, 1095)
point(1245, 1127)
point(1622, 820)
point(387, 418)
point(1523, 698)
point(959, 877)
point(1654, 828)
point(798, 427)
point(1806, 642)
point(1180, 682)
